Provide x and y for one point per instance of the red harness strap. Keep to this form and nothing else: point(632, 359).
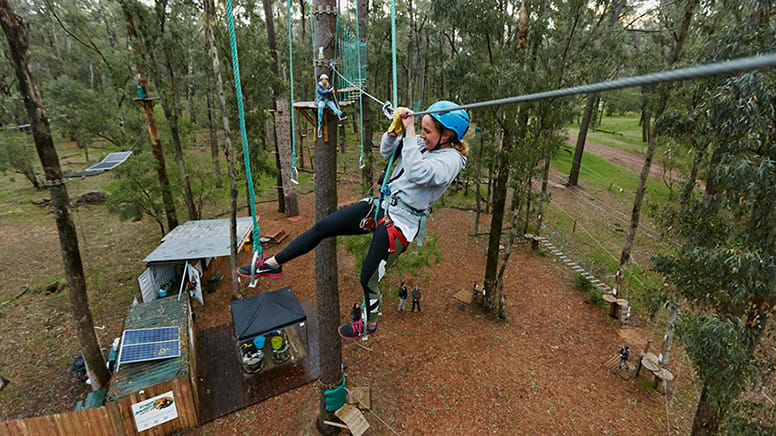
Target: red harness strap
point(393, 234)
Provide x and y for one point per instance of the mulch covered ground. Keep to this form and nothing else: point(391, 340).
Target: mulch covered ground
point(452, 370)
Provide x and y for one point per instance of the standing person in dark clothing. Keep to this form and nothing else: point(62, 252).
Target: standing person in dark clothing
point(624, 354)
point(416, 297)
point(402, 298)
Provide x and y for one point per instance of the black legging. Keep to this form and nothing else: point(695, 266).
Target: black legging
point(345, 221)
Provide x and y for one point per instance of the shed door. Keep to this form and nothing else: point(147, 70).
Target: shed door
point(148, 286)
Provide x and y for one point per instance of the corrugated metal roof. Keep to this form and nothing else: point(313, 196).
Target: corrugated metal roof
point(132, 377)
point(199, 240)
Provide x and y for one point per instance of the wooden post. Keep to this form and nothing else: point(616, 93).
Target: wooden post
point(638, 365)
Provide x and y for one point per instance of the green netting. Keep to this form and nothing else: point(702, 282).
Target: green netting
point(348, 49)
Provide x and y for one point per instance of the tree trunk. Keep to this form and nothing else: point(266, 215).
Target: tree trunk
point(327, 295)
point(502, 312)
point(211, 126)
point(273, 52)
point(228, 150)
point(367, 178)
point(689, 187)
point(489, 200)
point(15, 30)
point(664, 94)
point(190, 91)
point(581, 138)
point(668, 340)
point(497, 220)
point(477, 183)
point(283, 126)
point(171, 113)
point(710, 196)
point(706, 422)
point(543, 197)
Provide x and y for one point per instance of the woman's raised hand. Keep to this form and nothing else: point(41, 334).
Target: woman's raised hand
point(408, 121)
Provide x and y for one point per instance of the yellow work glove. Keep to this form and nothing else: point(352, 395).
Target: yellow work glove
point(396, 124)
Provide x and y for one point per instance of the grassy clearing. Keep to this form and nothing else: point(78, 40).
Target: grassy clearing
point(620, 181)
point(627, 134)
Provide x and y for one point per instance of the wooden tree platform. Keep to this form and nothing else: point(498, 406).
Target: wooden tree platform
point(224, 388)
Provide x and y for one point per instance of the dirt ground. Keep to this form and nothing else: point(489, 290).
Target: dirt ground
point(451, 370)
point(447, 369)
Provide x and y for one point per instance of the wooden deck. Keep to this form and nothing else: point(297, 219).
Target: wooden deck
point(224, 388)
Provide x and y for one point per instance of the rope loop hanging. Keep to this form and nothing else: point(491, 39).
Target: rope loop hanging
point(294, 170)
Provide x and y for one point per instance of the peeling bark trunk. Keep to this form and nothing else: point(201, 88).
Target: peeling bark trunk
point(15, 30)
point(211, 126)
point(228, 150)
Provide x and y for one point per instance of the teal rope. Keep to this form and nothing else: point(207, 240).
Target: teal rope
point(243, 133)
point(291, 76)
point(312, 40)
point(393, 52)
point(360, 101)
point(395, 105)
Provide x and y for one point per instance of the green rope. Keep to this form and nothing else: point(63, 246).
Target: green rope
point(360, 101)
point(294, 171)
point(395, 105)
point(312, 40)
point(393, 52)
point(243, 133)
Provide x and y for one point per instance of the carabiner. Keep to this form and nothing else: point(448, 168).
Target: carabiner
point(388, 110)
point(294, 175)
point(254, 277)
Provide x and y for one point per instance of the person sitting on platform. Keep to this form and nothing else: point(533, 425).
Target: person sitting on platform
point(324, 96)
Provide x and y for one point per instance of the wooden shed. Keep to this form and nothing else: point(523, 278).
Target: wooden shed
point(166, 390)
point(174, 377)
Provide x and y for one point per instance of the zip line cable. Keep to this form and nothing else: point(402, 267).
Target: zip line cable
point(734, 66)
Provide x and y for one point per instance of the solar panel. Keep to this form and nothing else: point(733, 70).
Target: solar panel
point(110, 161)
point(151, 351)
point(149, 344)
point(141, 336)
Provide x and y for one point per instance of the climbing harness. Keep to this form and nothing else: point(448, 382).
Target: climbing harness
point(238, 91)
point(394, 234)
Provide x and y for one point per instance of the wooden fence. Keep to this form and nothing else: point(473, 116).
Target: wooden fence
point(114, 418)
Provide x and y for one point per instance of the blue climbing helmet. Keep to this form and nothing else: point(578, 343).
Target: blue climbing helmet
point(456, 120)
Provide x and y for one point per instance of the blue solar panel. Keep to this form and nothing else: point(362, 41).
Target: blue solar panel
point(149, 344)
point(151, 351)
point(142, 336)
point(110, 161)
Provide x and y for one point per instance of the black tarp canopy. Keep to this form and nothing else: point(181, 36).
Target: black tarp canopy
point(265, 312)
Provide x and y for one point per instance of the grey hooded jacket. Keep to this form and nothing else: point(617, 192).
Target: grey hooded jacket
point(419, 179)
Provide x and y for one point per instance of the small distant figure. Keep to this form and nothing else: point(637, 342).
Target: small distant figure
point(416, 297)
point(403, 293)
point(356, 313)
point(324, 97)
point(624, 355)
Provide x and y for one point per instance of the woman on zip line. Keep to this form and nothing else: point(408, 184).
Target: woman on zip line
point(429, 164)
